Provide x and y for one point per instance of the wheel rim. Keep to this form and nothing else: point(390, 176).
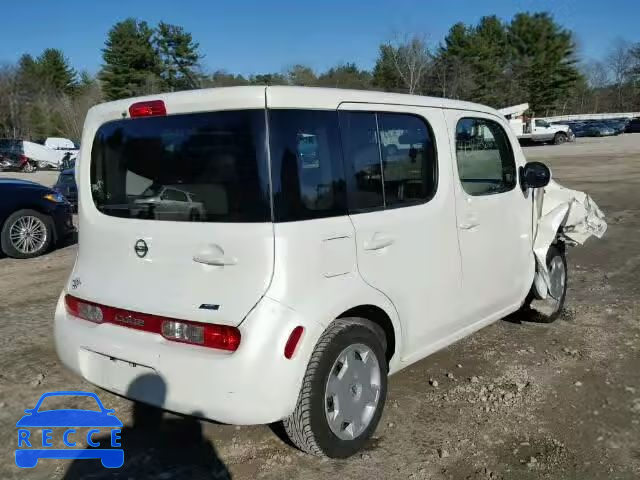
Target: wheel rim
point(28, 234)
point(352, 392)
point(28, 167)
point(557, 280)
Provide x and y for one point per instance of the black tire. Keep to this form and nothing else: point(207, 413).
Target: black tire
point(559, 138)
point(29, 167)
point(542, 317)
point(5, 241)
point(307, 426)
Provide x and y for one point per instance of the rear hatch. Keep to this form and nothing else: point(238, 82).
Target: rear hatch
point(175, 216)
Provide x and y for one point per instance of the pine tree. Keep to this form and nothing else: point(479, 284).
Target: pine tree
point(385, 73)
point(131, 63)
point(55, 73)
point(179, 57)
point(542, 60)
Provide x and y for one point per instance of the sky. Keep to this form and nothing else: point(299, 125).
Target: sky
point(252, 36)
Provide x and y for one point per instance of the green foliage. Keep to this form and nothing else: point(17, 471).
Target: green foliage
point(132, 66)
point(347, 75)
point(55, 72)
point(221, 78)
point(385, 73)
point(543, 63)
point(179, 57)
point(301, 75)
point(268, 79)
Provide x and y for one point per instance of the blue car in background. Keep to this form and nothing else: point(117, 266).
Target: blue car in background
point(66, 186)
point(28, 456)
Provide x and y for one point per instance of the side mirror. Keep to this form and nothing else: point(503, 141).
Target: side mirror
point(534, 175)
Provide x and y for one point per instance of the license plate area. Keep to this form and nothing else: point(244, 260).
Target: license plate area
point(118, 375)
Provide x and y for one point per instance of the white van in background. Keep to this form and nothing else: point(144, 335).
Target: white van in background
point(320, 259)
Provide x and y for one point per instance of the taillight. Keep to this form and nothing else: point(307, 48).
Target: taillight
point(85, 310)
point(292, 342)
point(222, 337)
point(213, 336)
point(151, 108)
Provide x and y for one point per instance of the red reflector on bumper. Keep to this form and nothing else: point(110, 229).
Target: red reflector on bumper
point(292, 343)
point(222, 337)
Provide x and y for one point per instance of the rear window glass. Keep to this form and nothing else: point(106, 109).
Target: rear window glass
point(197, 167)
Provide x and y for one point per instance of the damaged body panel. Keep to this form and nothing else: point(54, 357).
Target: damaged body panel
point(563, 215)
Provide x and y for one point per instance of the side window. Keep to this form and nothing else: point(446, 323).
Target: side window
point(485, 159)
point(307, 169)
point(359, 135)
point(409, 167)
point(175, 195)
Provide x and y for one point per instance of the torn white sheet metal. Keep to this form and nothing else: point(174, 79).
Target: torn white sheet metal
point(571, 215)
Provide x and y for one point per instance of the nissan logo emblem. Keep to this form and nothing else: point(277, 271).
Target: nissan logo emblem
point(141, 248)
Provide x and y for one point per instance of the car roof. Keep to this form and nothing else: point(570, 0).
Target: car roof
point(280, 97)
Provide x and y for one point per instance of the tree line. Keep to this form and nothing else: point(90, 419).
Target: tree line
point(529, 59)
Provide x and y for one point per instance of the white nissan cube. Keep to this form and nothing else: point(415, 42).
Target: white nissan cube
point(297, 247)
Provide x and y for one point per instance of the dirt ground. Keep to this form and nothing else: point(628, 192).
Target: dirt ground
point(513, 401)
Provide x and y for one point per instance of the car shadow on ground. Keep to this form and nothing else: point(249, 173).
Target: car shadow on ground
point(156, 447)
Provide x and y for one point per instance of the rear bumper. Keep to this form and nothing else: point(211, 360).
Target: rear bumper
point(254, 385)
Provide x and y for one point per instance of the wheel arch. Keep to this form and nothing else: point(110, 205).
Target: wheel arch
point(379, 317)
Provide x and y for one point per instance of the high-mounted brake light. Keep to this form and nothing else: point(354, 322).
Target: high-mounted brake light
point(222, 337)
point(151, 108)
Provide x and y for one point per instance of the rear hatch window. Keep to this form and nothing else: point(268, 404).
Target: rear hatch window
point(206, 167)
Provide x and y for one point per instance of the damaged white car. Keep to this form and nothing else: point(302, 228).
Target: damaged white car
point(340, 237)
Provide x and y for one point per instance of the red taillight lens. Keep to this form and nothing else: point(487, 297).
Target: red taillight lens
point(292, 342)
point(85, 310)
point(151, 108)
point(213, 336)
point(222, 337)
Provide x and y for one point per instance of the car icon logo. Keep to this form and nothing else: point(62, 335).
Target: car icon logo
point(141, 248)
point(36, 432)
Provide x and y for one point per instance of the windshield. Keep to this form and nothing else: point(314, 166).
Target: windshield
point(214, 162)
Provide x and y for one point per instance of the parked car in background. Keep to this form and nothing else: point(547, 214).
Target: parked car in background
point(32, 218)
point(602, 129)
point(633, 126)
point(66, 186)
point(167, 203)
point(47, 157)
point(12, 156)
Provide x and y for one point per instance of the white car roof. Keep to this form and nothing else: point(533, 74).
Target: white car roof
point(230, 98)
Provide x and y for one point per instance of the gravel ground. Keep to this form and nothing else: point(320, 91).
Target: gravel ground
point(515, 400)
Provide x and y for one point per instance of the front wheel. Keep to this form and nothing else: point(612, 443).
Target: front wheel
point(549, 309)
point(343, 391)
point(559, 138)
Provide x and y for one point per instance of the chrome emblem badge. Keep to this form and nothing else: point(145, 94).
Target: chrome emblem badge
point(141, 248)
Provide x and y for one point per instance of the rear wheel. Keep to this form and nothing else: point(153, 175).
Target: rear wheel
point(26, 234)
point(343, 391)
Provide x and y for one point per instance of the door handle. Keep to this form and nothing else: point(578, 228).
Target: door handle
point(468, 226)
point(378, 242)
point(214, 255)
